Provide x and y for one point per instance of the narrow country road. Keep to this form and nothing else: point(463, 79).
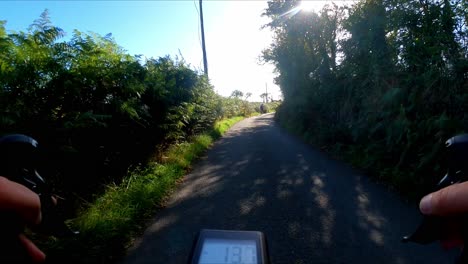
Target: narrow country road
point(311, 208)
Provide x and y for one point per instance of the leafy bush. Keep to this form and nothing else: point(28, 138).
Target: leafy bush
point(383, 83)
point(96, 109)
point(109, 223)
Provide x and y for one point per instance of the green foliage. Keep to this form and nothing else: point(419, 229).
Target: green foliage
point(112, 109)
point(382, 83)
point(269, 107)
point(100, 112)
point(109, 223)
point(238, 106)
point(183, 154)
point(237, 94)
point(222, 126)
point(88, 95)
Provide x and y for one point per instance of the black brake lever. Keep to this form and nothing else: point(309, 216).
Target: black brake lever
point(433, 228)
point(19, 157)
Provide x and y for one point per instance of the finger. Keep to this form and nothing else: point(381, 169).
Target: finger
point(37, 256)
point(19, 199)
point(447, 201)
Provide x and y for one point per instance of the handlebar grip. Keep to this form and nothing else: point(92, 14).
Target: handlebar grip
point(19, 160)
point(433, 228)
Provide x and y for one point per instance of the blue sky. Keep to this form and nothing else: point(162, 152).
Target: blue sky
point(234, 39)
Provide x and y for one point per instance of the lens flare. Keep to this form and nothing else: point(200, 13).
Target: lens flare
point(305, 6)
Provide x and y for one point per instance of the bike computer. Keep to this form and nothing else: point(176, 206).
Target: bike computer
point(229, 247)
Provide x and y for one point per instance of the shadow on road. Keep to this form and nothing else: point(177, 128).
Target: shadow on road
point(311, 208)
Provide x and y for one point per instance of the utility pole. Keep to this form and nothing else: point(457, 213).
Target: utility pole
point(205, 62)
point(266, 92)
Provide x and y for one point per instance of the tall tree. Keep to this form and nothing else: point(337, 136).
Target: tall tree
point(380, 78)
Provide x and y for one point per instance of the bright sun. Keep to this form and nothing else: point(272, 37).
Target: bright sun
point(310, 5)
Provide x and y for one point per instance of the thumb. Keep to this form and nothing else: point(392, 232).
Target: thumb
point(447, 201)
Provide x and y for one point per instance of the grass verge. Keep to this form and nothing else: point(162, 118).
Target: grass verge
point(222, 126)
point(108, 225)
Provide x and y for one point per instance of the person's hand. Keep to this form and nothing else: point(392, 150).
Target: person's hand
point(19, 200)
point(449, 201)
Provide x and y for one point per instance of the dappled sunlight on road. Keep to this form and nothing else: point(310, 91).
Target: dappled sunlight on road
point(327, 218)
point(312, 209)
point(369, 219)
point(169, 220)
point(259, 181)
point(294, 229)
point(199, 186)
point(252, 203)
point(282, 194)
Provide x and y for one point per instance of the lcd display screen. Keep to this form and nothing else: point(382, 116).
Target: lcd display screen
point(228, 251)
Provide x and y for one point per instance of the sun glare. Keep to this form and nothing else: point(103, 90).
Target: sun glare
point(310, 6)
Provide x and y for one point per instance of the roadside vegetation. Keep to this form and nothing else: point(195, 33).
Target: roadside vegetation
point(108, 224)
point(382, 84)
point(118, 131)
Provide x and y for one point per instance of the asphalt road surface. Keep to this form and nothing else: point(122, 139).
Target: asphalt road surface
point(311, 208)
